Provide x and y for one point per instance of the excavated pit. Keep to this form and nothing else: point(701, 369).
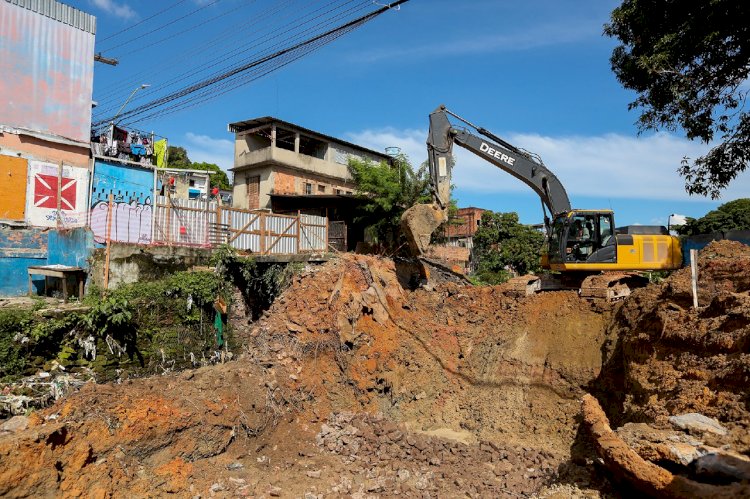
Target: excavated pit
point(357, 383)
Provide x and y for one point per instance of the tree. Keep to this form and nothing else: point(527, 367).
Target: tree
point(177, 157)
point(218, 179)
point(688, 62)
point(502, 244)
point(387, 191)
point(734, 215)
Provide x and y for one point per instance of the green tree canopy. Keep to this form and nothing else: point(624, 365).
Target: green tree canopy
point(688, 62)
point(502, 243)
point(387, 191)
point(734, 215)
point(178, 158)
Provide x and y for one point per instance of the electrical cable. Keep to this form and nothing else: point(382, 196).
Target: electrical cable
point(141, 21)
point(295, 23)
point(311, 43)
point(116, 88)
point(160, 27)
point(228, 56)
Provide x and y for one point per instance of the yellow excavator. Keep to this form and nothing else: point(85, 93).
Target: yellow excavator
point(583, 247)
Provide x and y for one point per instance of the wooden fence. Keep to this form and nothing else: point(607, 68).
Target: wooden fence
point(187, 222)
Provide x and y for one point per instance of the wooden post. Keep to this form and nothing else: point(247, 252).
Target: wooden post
point(218, 220)
point(325, 242)
point(59, 194)
point(299, 232)
point(109, 234)
point(168, 219)
point(694, 275)
point(262, 233)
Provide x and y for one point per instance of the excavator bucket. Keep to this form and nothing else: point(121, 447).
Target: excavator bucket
point(418, 223)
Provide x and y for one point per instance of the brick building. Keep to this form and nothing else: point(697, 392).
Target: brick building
point(273, 157)
point(461, 231)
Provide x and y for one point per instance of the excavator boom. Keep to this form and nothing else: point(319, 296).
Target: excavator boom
point(421, 220)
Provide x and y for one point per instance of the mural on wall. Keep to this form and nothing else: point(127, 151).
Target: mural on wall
point(42, 195)
point(132, 211)
point(52, 63)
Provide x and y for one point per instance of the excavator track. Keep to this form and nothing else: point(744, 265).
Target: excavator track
point(525, 285)
point(611, 286)
point(605, 287)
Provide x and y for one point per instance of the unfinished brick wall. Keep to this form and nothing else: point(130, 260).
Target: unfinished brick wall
point(289, 183)
point(465, 224)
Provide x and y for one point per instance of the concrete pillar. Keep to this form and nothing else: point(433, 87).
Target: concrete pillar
point(296, 142)
point(273, 135)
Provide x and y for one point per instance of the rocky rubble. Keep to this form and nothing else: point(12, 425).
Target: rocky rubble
point(397, 461)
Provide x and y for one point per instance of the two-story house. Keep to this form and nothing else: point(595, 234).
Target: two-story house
point(273, 157)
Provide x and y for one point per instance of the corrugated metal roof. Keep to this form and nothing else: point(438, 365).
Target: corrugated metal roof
point(60, 12)
point(241, 126)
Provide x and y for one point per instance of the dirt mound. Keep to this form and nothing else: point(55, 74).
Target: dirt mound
point(674, 359)
point(472, 360)
point(478, 393)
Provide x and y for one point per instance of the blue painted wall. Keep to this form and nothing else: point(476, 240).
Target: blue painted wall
point(20, 249)
point(132, 188)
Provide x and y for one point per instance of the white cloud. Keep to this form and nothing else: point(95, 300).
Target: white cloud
point(526, 39)
point(121, 10)
point(204, 149)
point(606, 166)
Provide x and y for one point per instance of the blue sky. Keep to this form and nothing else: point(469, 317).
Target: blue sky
point(536, 73)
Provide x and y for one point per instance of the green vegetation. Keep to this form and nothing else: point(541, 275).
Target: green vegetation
point(387, 191)
point(178, 158)
point(689, 62)
point(734, 215)
point(502, 245)
point(140, 328)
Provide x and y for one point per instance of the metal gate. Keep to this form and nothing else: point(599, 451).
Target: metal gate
point(337, 235)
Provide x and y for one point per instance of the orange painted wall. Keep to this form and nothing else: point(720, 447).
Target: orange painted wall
point(12, 187)
point(45, 151)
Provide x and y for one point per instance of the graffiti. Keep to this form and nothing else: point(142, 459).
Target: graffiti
point(45, 195)
point(131, 222)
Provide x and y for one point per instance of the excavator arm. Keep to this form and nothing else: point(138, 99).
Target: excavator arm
point(421, 220)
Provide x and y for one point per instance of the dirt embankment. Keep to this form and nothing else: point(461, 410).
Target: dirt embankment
point(673, 359)
point(463, 377)
point(676, 383)
point(354, 383)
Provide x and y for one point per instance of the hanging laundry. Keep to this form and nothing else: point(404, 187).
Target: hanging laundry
point(160, 150)
point(119, 134)
point(138, 149)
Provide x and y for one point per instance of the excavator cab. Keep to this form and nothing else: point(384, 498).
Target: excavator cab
point(581, 236)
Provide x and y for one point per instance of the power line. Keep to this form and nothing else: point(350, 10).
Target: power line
point(160, 27)
point(115, 88)
point(217, 40)
point(278, 57)
point(261, 40)
point(141, 21)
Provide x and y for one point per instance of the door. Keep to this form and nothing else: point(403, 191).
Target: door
point(13, 187)
point(253, 192)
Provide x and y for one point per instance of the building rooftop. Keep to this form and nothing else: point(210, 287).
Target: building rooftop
point(241, 126)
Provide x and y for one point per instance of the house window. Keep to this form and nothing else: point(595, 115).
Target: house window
point(192, 183)
point(308, 188)
point(321, 188)
point(338, 191)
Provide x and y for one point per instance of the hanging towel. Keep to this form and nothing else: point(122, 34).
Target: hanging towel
point(138, 149)
point(160, 150)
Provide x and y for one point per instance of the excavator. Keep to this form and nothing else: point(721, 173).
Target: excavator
point(583, 248)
